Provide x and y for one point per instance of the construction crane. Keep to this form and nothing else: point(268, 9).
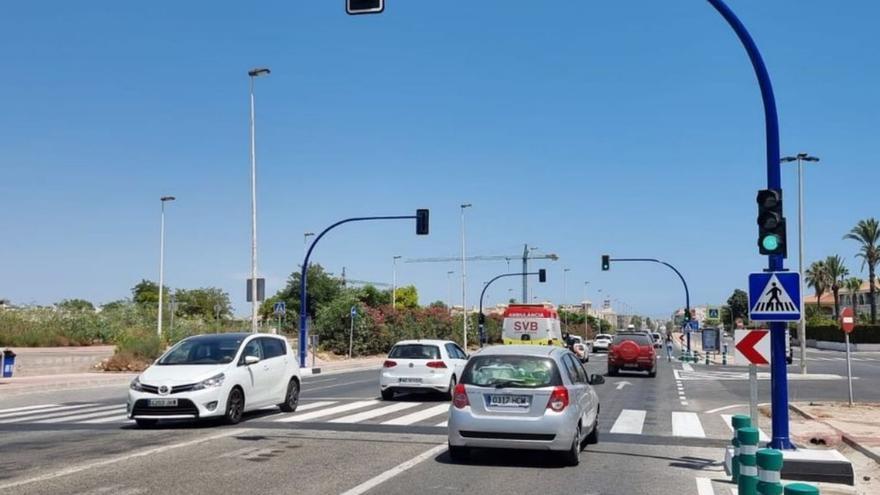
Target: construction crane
point(526, 256)
point(361, 282)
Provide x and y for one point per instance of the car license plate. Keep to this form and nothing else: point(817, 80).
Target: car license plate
point(508, 400)
point(631, 365)
point(410, 380)
point(163, 402)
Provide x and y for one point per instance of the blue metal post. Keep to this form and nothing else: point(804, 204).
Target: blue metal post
point(482, 319)
point(303, 282)
point(778, 378)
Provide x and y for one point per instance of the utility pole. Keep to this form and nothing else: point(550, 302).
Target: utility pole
point(464, 281)
point(254, 73)
point(394, 281)
point(449, 288)
point(565, 293)
point(802, 324)
point(163, 199)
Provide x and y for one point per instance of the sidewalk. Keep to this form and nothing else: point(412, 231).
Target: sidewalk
point(339, 365)
point(857, 426)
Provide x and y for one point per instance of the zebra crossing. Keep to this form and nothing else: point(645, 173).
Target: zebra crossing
point(377, 412)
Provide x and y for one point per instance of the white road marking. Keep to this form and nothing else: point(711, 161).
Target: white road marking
point(763, 437)
point(373, 413)
point(328, 412)
point(93, 414)
point(25, 408)
point(125, 457)
point(687, 424)
point(58, 411)
point(314, 405)
point(629, 421)
point(387, 475)
point(444, 424)
point(687, 367)
point(111, 419)
point(419, 415)
point(719, 409)
point(704, 486)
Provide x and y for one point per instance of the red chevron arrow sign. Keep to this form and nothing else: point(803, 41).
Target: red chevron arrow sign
point(752, 346)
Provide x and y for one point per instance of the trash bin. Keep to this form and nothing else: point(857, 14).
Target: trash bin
point(8, 363)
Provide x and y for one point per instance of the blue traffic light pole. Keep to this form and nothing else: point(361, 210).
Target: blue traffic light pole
point(304, 281)
point(482, 317)
point(778, 377)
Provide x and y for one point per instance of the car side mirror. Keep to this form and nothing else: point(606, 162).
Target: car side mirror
point(249, 360)
point(597, 379)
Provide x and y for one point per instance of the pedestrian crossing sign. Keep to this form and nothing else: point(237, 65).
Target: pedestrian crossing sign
point(774, 296)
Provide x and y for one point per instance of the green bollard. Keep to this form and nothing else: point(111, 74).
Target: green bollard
point(769, 471)
point(737, 422)
point(801, 489)
point(747, 483)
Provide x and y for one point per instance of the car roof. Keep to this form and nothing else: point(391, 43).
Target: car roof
point(522, 350)
point(425, 341)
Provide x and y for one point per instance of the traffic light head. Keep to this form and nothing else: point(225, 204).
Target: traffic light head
point(354, 7)
point(606, 262)
point(421, 222)
point(771, 223)
point(542, 275)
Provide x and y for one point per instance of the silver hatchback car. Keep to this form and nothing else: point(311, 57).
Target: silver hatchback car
point(524, 397)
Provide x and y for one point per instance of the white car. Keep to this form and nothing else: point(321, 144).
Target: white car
point(216, 375)
point(601, 342)
point(422, 366)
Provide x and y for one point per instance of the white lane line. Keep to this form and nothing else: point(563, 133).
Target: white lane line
point(687, 367)
point(704, 486)
point(25, 408)
point(687, 424)
point(629, 421)
point(684, 403)
point(374, 413)
point(444, 424)
point(125, 457)
point(328, 412)
point(387, 475)
point(93, 414)
point(763, 437)
point(719, 409)
point(111, 419)
point(419, 415)
point(314, 405)
point(58, 411)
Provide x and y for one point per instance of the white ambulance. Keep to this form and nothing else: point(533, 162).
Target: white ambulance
point(536, 324)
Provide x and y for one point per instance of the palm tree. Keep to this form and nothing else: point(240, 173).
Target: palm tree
point(867, 233)
point(837, 272)
point(816, 277)
point(854, 285)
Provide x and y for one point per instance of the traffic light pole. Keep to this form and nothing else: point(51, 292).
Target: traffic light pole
point(778, 377)
point(304, 281)
point(482, 318)
point(687, 294)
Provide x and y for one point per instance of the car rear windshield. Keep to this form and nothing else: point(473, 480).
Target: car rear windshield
point(415, 351)
point(511, 371)
point(638, 338)
point(208, 349)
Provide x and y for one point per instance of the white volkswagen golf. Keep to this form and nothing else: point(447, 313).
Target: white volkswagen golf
point(216, 375)
point(422, 366)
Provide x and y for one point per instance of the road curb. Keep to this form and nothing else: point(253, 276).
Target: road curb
point(847, 438)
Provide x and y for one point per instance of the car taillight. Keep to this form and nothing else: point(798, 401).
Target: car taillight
point(436, 364)
point(558, 399)
point(389, 364)
point(459, 397)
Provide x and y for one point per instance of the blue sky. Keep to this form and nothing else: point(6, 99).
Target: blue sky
point(582, 128)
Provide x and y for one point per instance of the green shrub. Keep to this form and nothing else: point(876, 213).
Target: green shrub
point(862, 334)
point(140, 344)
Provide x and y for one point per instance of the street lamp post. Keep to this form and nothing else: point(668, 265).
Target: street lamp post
point(464, 280)
point(802, 324)
point(306, 236)
point(163, 199)
point(253, 74)
point(565, 294)
point(542, 276)
point(394, 281)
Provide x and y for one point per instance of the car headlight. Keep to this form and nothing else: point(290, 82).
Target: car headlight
point(214, 381)
point(136, 385)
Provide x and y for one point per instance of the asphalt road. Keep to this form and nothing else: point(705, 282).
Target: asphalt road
point(657, 435)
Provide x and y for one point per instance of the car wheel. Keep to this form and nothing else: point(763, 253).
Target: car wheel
point(291, 400)
point(451, 388)
point(652, 373)
point(234, 406)
point(612, 371)
point(146, 423)
point(459, 454)
point(388, 394)
point(572, 457)
point(593, 437)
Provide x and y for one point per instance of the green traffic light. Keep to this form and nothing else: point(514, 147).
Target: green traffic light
point(770, 243)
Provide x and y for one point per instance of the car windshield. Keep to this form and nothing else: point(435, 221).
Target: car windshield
point(603, 336)
point(207, 349)
point(638, 338)
point(415, 351)
point(511, 371)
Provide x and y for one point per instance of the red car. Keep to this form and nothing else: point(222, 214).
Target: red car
point(632, 351)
